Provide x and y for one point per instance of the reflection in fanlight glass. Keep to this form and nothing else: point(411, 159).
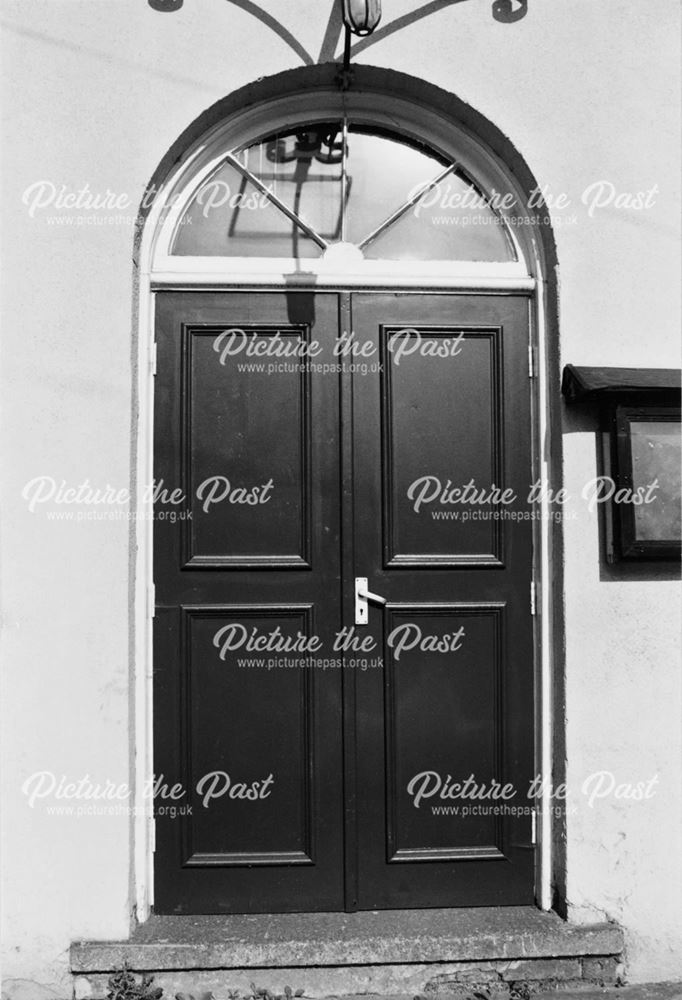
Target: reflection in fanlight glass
point(296, 192)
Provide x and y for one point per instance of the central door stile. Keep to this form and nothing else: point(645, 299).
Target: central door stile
point(348, 514)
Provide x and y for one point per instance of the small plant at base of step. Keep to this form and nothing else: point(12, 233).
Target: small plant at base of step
point(517, 991)
point(260, 993)
point(520, 991)
point(255, 993)
point(124, 986)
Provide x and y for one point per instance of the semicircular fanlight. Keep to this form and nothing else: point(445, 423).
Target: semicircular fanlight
point(297, 192)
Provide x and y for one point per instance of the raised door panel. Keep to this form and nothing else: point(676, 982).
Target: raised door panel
point(441, 430)
point(250, 496)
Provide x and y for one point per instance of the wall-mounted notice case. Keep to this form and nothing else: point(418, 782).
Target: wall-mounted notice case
point(640, 410)
point(648, 460)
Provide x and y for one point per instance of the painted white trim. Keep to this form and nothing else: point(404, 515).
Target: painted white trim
point(144, 538)
point(543, 565)
point(200, 279)
point(156, 271)
point(234, 269)
point(143, 527)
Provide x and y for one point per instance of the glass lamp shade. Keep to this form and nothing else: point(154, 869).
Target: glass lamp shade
point(164, 6)
point(361, 16)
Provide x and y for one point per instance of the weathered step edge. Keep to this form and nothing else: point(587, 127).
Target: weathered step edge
point(557, 940)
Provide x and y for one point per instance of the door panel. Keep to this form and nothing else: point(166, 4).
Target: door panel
point(240, 567)
point(258, 446)
point(451, 408)
point(429, 403)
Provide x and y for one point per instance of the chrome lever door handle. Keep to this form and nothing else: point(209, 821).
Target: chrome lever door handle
point(362, 596)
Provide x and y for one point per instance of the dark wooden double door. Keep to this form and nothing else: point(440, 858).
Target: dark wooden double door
point(314, 775)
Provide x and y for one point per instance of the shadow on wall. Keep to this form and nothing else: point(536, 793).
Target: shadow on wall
point(506, 11)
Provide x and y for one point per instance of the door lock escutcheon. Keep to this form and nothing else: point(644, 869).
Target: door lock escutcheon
point(362, 596)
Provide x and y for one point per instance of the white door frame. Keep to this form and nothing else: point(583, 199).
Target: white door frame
point(158, 269)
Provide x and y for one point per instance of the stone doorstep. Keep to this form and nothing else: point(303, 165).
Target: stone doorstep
point(389, 954)
point(314, 940)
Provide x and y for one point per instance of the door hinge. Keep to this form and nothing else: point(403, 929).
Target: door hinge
point(531, 360)
point(152, 358)
point(534, 828)
point(533, 597)
point(151, 601)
